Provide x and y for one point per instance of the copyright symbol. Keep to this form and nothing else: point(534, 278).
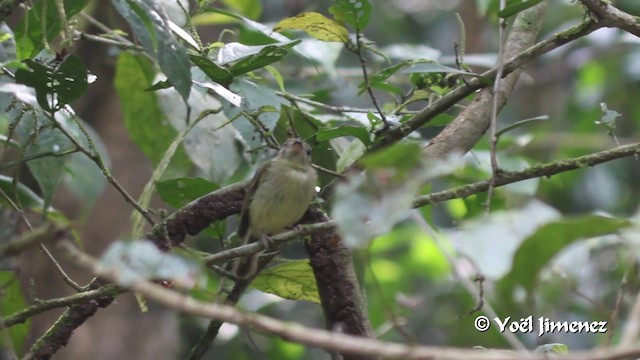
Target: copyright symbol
point(482, 323)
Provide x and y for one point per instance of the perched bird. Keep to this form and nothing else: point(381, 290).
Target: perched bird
point(277, 197)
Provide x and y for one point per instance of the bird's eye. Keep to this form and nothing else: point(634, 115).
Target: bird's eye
point(308, 152)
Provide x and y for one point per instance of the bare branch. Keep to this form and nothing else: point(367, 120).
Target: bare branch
point(46, 233)
point(459, 93)
point(43, 305)
point(610, 16)
point(329, 340)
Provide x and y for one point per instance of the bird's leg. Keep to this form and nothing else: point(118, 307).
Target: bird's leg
point(266, 241)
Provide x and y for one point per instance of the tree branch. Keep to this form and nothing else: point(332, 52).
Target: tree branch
point(329, 340)
point(610, 16)
point(544, 170)
point(471, 124)
point(462, 91)
point(43, 305)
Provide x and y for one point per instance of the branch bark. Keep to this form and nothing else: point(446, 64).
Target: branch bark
point(611, 16)
point(471, 124)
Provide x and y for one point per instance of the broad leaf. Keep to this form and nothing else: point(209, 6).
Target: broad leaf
point(22, 195)
point(212, 70)
point(316, 25)
point(56, 85)
point(354, 12)
point(360, 132)
point(292, 280)
point(549, 240)
point(12, 301)
point(144, 120)
point(179, 192)
point(150, 25)
point(29, 33)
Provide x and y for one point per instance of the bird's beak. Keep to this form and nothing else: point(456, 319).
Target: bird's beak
point(297, 147)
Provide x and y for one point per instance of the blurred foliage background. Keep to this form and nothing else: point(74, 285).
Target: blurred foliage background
point(554, 247)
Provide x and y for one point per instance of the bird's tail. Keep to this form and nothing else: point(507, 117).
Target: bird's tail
point(246, 267)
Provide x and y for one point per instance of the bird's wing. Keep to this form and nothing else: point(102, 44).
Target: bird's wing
point(245, 216)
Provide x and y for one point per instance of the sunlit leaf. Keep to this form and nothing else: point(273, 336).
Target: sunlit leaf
point(292, 280)
point(316, 25)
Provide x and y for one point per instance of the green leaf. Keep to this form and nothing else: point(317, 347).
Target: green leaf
point(22, 196)
point(12, 301)
point(402, 156)
point(29, 31)
point(55, 86)
point(160, 85)
point(549, 240)
point(380, 77)
point(354, 12)
point(149, 23)
point(434, 67)
point(266, 56)
point(48, 171)
point(83, 177)
point(316, 25)
point(518, 7)
point(359, 132)
point(212, 70)
point(252, 9)
point(178, 192)
point(351, 154)
point(292, 280)
point(143, 119)
point(249, 8)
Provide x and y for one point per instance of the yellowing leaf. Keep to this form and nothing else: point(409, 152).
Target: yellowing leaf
point(292, 280)
point(316, 25)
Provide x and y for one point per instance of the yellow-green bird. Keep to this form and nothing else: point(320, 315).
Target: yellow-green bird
point(277, 197)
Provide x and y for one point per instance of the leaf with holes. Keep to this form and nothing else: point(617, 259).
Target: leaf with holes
point(55, 86)
point(292, 280)
point(316, 25)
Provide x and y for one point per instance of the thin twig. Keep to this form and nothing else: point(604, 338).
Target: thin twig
point(60, 270)
point(328, 340)
point(494, 108)
point(43, 305)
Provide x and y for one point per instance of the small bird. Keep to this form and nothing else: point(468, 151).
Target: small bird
point(277, 197)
